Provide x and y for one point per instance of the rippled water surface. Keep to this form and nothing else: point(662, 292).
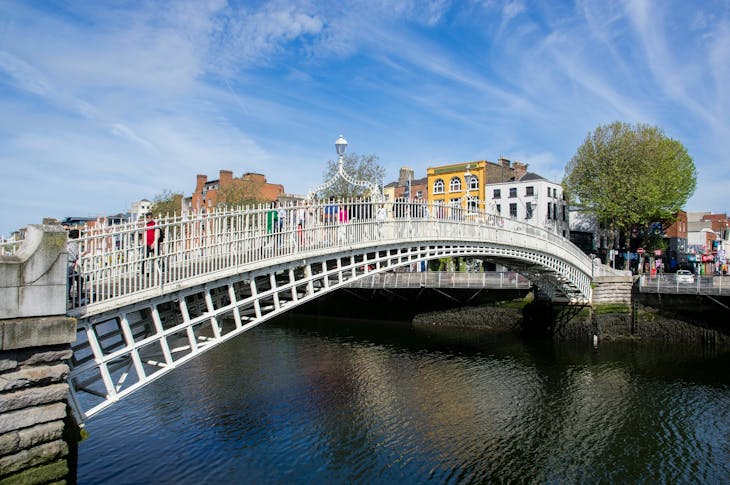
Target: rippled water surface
point(366, 402)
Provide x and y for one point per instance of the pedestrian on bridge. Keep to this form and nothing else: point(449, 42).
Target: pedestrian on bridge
point(152, 239)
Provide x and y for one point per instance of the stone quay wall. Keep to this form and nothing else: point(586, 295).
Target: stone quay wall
point(612, 289)
point(35, 344)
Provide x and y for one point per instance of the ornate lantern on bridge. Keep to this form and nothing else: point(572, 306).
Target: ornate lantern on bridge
point(374, 191)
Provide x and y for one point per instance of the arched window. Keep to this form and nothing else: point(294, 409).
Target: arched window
point(473, 183)
point(455, 185)
point(438, 186)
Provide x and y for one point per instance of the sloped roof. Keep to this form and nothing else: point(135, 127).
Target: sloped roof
point(531, 176)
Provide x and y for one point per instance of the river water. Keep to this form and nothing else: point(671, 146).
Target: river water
point(299, 401)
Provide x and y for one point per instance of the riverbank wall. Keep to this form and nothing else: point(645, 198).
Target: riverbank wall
point(619, 312)
point(38, 435)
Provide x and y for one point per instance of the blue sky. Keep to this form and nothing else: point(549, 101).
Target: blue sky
point(105, 103)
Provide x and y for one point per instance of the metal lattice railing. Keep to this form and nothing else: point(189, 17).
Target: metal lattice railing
point(115, 265)
point(698, 285)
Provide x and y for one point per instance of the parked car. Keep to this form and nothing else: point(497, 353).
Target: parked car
point(685, 276)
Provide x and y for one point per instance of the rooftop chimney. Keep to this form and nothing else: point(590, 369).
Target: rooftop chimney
point(520, 169)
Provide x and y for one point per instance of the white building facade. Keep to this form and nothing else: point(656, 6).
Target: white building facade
point(531, 199)
point(139, 209)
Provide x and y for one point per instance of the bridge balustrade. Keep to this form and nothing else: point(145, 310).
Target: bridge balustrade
point(114, 263)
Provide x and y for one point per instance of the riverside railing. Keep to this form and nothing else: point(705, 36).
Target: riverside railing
point(114, 260)
point(700, 285)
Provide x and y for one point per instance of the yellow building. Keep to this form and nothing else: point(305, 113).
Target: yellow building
point(449, 184)
point(453, 185)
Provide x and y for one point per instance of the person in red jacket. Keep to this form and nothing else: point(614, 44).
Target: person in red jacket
point(151, 239)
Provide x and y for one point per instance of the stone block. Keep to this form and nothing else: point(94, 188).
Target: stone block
point(33, 376)
point(8, 359)
point(21, 333)
point(48, 355)
point(33, 396)
point(27, 438)
point(9, 301)
point(37, 455)
point(25, 418)
point(33, 281)
point(9, 271)
point(42, 300)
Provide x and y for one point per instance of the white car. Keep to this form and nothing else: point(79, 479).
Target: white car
point(684, 276)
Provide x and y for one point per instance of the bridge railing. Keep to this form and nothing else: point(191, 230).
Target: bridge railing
point(669, 283)
point(114, 260)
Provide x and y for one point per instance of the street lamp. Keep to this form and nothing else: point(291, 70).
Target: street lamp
point(341, 146)
point(467, 180)
point(372, 188)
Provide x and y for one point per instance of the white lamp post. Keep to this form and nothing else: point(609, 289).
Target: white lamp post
point(341, 146)
point(372, 188)
point(467, 181)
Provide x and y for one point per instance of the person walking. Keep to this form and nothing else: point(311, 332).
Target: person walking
point(75, 280)
point(151, 239)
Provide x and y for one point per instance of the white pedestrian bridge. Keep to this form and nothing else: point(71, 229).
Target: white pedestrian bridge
point(143, 313)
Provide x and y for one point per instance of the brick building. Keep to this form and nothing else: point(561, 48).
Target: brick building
point(207, 192)
point(406, 187)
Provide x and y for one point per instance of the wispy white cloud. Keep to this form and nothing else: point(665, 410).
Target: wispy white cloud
point(125, 100)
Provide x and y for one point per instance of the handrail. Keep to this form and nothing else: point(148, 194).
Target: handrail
point(113, 261)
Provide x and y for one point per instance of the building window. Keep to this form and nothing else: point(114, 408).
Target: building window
point(513, 210)
point(455, 185)
point(550, 191)
point(499, 209)
point(438, 186)
point(472, 203)
point(529, 190)
point(513, 192)
point(528, 210)
point(456, 211)
point(550, 208)
point(497, 194)
point(555, 211)
point(419, 194)
point(564, 219)
point(473, 183)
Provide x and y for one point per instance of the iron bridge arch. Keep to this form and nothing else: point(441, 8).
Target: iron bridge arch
point(129, 339)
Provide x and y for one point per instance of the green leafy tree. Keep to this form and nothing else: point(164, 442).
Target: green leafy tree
point(166, 203)
point(359, 167)
point(240, 192)
point(630, 176)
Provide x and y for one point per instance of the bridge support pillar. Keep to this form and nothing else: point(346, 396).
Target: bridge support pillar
point(612, 290)
point(35, 343)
